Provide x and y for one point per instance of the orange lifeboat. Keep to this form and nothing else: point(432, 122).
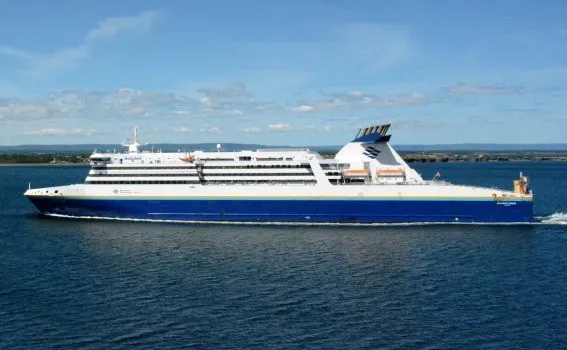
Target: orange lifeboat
point(356, 172)
point(390, 172)
point(188, 159)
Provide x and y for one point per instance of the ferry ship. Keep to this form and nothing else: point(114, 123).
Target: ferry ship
point(366, 182)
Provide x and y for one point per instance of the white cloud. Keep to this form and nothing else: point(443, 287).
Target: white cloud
point(220, 112)
point(399, 100)
point(279, 127)
point(62, 59)
point(69, 57)
point(13, 52)
point(225, 100)
point(135, 104)
point(181, 129)
point(308, 128)
point(383, 101)
point(303, 108)
point(25, 110)
point(207, 102)
point(356, 93)
point(111, 27)
point(253, 129)
point(93, 104)
point(123, 102)
point(464, 88)
point(184, 113)
point(284, 127)
point(212, 130)
point(60, 132)
point(359, 99)
point(230, 91)
point(320, 105)
point(316, 128)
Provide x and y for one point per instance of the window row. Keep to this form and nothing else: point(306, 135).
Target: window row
point(204, 183)
point(253, 166)
point(143, 175)
point(236, 182)
point(259, 174)
point(143, 168)
point(156, 182)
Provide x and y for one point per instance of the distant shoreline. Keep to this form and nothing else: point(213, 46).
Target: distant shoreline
point(410, 160)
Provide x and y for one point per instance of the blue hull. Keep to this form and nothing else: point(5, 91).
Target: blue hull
point(301, 210)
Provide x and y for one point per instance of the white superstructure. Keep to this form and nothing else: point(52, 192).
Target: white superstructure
point(355, 164)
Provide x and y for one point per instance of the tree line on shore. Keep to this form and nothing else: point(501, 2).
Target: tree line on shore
point(413, 157)
point(43, 158)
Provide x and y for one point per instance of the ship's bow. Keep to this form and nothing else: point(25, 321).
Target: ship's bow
point(46, 200)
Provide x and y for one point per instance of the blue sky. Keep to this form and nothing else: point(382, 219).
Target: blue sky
point(290, 72)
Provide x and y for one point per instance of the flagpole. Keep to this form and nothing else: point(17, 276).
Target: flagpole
point(437, 174)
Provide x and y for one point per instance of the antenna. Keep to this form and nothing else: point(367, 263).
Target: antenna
point(134, 147)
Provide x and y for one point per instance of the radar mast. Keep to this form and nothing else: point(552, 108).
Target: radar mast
point(135, 146)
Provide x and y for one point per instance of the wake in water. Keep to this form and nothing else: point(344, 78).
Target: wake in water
point(554, 219)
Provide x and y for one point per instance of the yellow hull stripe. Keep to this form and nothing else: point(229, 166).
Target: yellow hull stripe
point(508, 198)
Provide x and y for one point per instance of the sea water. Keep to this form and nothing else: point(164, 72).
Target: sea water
point(68, 283)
